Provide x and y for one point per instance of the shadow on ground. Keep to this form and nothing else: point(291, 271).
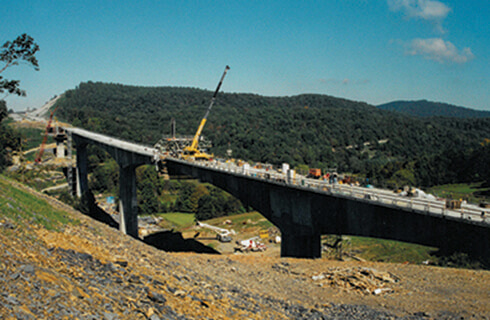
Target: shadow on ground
point(88, 206)
point(174, 242)
point(102, 216)
point(460, 260)
point(165, 240)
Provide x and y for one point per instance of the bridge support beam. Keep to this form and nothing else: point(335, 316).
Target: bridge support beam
point(300, 246)
point(128, 203)
point(82, 170)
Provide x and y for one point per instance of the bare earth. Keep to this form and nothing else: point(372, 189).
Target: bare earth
point(92, 271)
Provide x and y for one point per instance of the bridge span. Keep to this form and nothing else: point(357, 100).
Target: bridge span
point(128, 156)
point(303, 209)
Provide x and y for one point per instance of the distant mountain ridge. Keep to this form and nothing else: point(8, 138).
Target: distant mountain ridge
point(424, 108)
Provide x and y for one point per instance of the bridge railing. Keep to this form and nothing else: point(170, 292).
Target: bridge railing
point(384, 197)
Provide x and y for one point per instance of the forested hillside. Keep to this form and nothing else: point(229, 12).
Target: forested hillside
point(424, 108)
point(9, 139)
point(316, 130)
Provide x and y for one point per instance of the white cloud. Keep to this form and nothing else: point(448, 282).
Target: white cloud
point(439, 50)
point(425, 9)
point(429, 10)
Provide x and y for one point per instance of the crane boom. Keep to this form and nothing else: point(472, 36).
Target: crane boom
point(45, 138)
point(195, 140)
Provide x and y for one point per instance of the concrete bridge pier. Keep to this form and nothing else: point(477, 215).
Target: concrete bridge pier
point(128, 204)
point(82, 170)
point(128, 156)
point(300, 246)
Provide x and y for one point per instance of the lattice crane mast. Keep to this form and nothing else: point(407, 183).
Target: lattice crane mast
point(41, 148)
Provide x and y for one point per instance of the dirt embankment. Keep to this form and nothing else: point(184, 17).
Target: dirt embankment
point(92, 271)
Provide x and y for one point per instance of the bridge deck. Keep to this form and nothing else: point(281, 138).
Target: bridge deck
point(114, 142)
point(380, 196)
point(467, 212)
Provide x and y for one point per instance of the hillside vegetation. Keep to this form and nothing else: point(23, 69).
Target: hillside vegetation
point(390, 149)
point(424, 108)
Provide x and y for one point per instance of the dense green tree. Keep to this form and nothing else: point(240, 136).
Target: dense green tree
point(147, 200)
point(22, 49)
point(3, 110)
point(10, 140)
point(149, 187)
point(183, 203)
point(206, 208)
point(194, 198)
point(105, 178)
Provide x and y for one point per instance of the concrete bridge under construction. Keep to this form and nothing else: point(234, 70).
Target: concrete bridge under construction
point(303, 209)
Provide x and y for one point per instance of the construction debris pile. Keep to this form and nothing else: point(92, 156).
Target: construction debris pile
point(362, 280)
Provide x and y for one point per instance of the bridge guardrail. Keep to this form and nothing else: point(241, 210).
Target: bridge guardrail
point(366, 194)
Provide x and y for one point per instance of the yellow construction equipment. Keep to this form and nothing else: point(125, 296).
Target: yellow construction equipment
point(192, 151)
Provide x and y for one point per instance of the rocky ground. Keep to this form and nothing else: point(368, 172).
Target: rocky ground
point(89, 270)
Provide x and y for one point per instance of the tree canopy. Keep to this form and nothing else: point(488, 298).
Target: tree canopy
point(318, 131)
point(21, 50)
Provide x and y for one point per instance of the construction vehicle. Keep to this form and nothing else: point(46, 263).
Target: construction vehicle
point(264, 234)
point(223, 235)
point(250, 245)
point(43, 144)
point(314, 173)
point(192, 151)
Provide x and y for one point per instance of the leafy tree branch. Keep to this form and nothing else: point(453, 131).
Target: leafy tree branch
point(22, 50)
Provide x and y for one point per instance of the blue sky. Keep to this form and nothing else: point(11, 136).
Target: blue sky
point(375, 51)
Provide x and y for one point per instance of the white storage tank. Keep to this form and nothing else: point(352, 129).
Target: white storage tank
point(285, 168)
point(246, 168)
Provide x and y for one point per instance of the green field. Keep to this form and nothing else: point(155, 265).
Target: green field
point(177, 220)
point(471, 191)
point(244, 222)
point(391, 251)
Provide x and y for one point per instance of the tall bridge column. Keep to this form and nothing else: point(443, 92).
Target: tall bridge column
point(128, 204)
point(128, 156)
point(300, 246)
point(82, 169)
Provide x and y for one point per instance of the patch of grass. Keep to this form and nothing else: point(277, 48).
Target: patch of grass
point(39, 178)
point(243, 221)
point(32, 135)
point(461, 191)
point(179, 220)
point(23, 207)
point(390, 251)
